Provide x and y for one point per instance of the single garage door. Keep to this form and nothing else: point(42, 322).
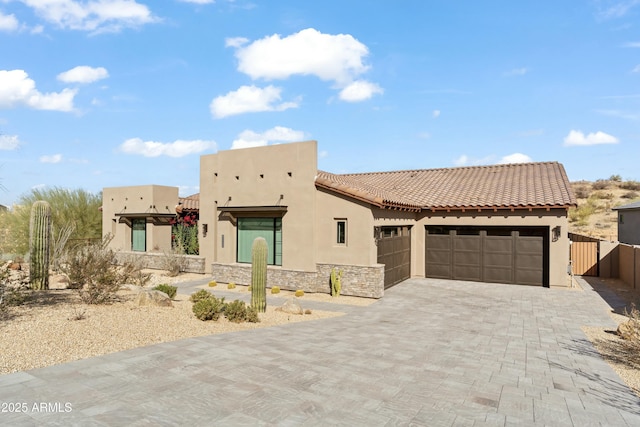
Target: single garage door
point(488, 254)
point(394, 251)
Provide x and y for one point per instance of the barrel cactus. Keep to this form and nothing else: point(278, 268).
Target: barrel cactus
point(40, 245)
point(259, 275)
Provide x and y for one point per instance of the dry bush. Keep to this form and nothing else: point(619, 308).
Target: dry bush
point(601, 184)
point(174, 263)
point(626, 349)
point(630, 185)
point(602, 195)
point(581, 214)
point(581, 191)
point(630, 195)
point(131, 271)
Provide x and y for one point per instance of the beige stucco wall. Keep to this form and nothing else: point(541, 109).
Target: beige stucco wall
point(135, 200)
point(558, 251)
point(278, 175)
point(360, 248)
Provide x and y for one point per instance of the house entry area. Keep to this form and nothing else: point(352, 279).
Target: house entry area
point(394, 251)
point(516, 255)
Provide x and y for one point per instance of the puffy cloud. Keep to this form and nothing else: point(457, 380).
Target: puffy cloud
point(249, 138)
point(235, 41)
point(179, 148)
point(16, 88)
point(309, 52)
point(435, 114)
point(95, 16)
point(8, 22)
point(249, 99)
point(83, 74)
point(576, 137)
point(516, 158)
point(54, 158)
point(359, 90)
point(9, 142)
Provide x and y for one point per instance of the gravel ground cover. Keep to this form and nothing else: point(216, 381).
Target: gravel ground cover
point(55, 326)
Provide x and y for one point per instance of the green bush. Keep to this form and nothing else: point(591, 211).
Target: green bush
point(209, 308)
point(167, 289)
point(252, 315)
point(236, 311)
point(200, 295)
point(275, 290)
point(231, 285)
point(213, 284)
point(299, 293)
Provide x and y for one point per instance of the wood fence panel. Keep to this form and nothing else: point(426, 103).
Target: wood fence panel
point(584, 258)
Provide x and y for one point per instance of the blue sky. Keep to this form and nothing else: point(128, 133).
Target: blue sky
point(108, 93)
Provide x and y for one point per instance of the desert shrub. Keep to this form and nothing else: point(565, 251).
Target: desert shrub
point(602, 195)
point(307, 311)
point(581, 214)
point(231, 285)
point(630, 185)
point(630, 195)
point(615, 178)
point(252, 315)
point(213, 284)
point(200, 295)
point(275, 290)
point(171, 291)
point(601, 184)
point(92, 269)
point(581, 192)
point(131, 271)
point(299, 293)
point(236, 311)
point(173, 263)
point(209, 308)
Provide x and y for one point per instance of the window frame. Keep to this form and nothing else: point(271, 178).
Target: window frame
point(274, 256)
point(341, 235)
point(143, 230)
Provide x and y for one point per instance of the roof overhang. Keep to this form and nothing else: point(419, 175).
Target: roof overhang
point(236, 211)
point(153, 217)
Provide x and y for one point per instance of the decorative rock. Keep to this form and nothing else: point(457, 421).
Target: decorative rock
point(15, 266)
point(59, 281)
point(153, 298)
point(290, 306)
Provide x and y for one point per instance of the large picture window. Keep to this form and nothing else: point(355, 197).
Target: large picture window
point(269, 228)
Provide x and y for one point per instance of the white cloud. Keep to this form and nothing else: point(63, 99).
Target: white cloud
point(435, 114)
point(83, 74)
point(9, 142)
point(249, 138)
point(177, 148)
point(16, 88)
point(249, 99)
point(360, 90)
point(617, 8)
point(54, 158)
point(636, 69)
point(8, 22)
point(95, 16)
point(632, 44)
point(516, 72)
point(235, 41)
point(515, 158)
point(576, 137)
point(330, 57)
point(198, 1)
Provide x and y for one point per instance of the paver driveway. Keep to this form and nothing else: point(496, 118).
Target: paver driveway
point(431, 352)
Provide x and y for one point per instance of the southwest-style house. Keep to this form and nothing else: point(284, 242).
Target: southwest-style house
point(503, 223)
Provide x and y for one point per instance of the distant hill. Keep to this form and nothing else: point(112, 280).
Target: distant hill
point(593, 216)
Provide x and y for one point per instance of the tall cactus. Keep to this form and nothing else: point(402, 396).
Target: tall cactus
point(259, 274)
point(40, 245)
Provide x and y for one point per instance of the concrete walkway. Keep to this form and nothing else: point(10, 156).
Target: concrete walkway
point(431, 352)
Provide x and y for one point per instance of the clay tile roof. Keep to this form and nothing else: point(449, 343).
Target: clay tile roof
point(521, 185)
point(190, 203)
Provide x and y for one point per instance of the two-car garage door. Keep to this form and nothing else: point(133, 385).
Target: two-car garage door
point(488, 254)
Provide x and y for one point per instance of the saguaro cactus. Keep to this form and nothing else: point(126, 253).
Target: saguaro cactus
point(40, 245)
point(259, 274)
point(336, 282)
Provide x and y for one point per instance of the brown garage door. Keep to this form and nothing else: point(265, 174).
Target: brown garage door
point(394, 251)
point(488, 254)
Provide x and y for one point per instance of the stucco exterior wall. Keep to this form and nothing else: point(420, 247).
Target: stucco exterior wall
point(629, 226)
point(558, 250)
point(140, 199)
point(278, 175)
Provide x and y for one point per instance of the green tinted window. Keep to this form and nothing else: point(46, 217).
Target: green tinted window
point(268, 228)
point(139, 234)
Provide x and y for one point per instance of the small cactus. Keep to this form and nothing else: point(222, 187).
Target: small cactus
point(259, 274)
point(299, 293)
point(275, 289)
point(40, 245)
point(231, 285)
point(213, 284)
point(336, 282)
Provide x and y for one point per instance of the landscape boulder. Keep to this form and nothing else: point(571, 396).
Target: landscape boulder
point(290, 306)
point(153, 298)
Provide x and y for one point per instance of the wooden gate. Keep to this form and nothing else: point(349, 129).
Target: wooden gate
point(584, 258)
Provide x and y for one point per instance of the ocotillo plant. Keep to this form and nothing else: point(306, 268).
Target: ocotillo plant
point(40, 245)
point(336, 282)
point(259, 274)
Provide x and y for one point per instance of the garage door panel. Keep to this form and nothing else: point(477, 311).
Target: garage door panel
point(394, 251)
point(498, 274)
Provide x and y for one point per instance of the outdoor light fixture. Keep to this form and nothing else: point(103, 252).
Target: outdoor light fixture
point(555, 233)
